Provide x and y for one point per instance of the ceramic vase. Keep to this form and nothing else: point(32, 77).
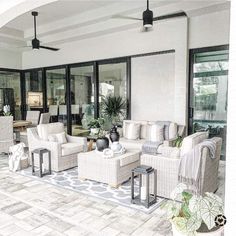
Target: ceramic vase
point(102, 143)
point(114, 135)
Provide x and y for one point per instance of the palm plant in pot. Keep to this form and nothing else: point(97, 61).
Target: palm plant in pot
point(113, 109)
point(195, 215)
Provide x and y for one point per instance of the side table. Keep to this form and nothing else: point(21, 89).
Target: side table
point(91, 139)
point(40, 152)
point(149, 199)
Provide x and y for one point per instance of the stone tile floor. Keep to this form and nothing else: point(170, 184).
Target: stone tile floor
point(30, 207)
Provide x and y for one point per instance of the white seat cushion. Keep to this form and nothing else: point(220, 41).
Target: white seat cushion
point(191, 141)
point(172, 152)
point(132, 144)
point(71, 148)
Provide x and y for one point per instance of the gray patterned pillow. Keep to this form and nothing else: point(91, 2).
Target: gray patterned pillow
point(132, 131)
point(155, 133)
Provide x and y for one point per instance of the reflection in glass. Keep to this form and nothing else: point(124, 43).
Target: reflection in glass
point(113, 82)
point(210, 93)
point(33, 86)
point(82, 99)
point(10, 93)
point(56, 95)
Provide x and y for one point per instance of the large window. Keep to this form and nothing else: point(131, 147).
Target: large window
point(208, 92)
point(73, 94)
point(82, 98)
point(10, 92)
point(113, 83)
point(34, 90)
point(56, 95)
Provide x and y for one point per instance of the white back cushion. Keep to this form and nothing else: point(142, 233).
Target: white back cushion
point(155, 133)
point(44, 130)
point(173, 130)
point(191, 141)
point(132, 131)
point(143, 128)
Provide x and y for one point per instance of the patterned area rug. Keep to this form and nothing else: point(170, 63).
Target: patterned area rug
point(69, 180)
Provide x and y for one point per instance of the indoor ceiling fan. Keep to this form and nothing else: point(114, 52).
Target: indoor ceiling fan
point(35, 42)
point(148, 17)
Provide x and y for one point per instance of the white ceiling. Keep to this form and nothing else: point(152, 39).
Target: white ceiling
point(56, 11)
point(70, 20)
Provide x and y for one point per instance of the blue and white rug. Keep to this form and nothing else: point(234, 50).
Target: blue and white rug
point(68, 179)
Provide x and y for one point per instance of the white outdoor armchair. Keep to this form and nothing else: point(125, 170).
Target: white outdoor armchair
point(6, 133)
point(63, 156)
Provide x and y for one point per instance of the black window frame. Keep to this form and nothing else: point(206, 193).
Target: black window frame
point(192, 52)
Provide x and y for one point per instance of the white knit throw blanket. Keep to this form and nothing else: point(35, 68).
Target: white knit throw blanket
point(191, 164)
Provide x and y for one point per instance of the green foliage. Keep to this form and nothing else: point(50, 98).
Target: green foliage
point(178, 141)
point(96, 123)
point(193, 211)
point(113, 107)
point(7, 113)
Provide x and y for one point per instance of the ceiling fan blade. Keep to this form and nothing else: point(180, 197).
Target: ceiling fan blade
point(125, 17)
point(169, 16)
point(49, 48)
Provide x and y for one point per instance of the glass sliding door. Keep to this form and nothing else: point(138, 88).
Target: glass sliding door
point(82, 98)
point(10, 92)
point(208, 93)
point(113, 83)
point(34, 90)
point(56, 95)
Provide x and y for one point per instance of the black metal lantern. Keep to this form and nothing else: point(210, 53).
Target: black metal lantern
point(149, 199)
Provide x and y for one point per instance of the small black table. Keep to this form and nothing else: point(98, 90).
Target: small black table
point(40, 152)
point(146, 171)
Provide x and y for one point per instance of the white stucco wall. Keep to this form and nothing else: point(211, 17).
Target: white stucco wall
point(10, 59)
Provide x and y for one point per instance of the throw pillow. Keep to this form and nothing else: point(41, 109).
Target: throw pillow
point(132, 131)
point(59, 138)
point(155, 133)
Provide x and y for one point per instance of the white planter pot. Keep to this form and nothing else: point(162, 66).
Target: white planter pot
point(218, 232)
point(94, 131)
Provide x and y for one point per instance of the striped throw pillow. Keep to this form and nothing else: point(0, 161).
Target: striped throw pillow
point(155, 133)
point(132, 131)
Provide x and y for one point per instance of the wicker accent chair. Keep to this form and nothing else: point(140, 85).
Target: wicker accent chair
point(44, 118)
point(167, 165)
point(6, 131)
point(33, 116)
point(63, 156)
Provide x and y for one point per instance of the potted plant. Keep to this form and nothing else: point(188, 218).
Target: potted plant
point(94, 126)
point(178, 141)
point(113, 108)
point(6, 110)
point(195, 215)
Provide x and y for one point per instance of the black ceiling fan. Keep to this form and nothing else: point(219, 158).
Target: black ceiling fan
point(148, 17)
point(35, 41)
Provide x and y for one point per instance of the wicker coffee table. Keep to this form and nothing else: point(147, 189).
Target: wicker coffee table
point(113, 171)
